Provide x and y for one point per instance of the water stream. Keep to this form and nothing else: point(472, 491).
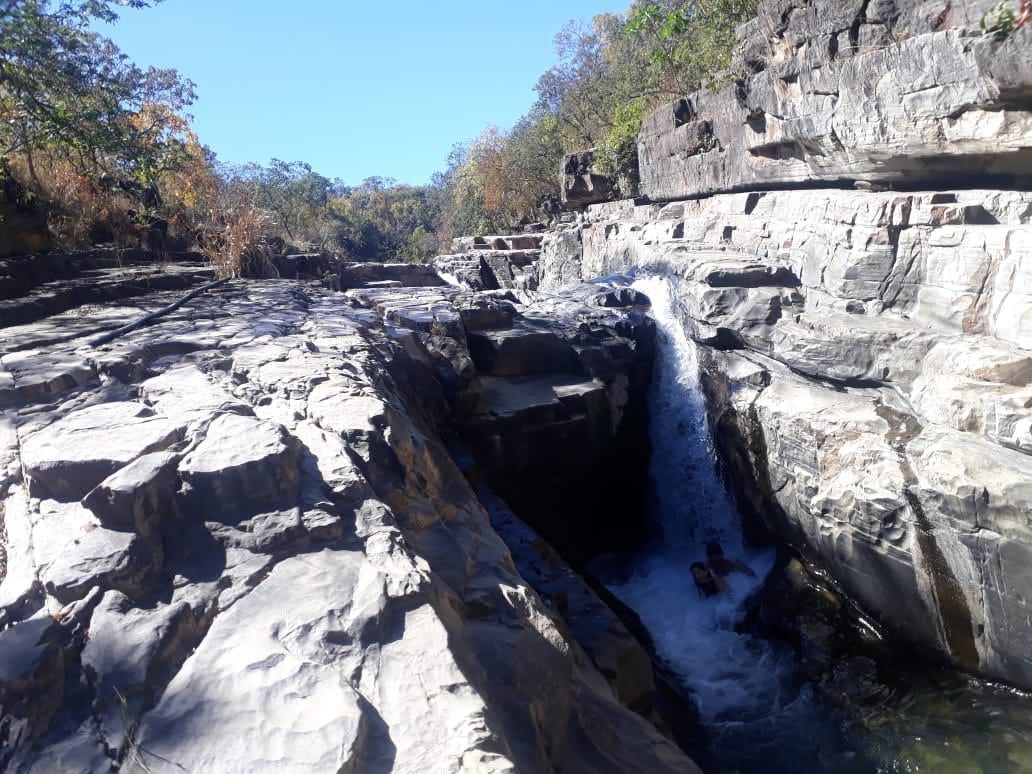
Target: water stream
point(760, 713)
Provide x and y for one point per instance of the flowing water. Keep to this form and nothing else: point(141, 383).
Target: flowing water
point(760, 713)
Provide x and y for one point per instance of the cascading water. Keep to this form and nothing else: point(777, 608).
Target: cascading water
point(760, 715)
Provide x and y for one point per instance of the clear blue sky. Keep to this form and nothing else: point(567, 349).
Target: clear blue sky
point(354, 88)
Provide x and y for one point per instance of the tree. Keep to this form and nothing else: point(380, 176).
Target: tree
point(690, 42)
point(67, 90)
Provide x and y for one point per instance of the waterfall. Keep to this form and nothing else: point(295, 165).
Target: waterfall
point(747, 689)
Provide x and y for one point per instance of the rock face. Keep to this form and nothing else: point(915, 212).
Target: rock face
point(236, 541)
point(906, 93)
point(491, 262)
point(869, 378)
point(582, 185)
point(549, 399)
point(866, 352)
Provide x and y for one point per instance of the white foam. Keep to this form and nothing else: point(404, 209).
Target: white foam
point(737, 679)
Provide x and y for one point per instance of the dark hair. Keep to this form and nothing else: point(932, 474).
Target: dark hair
point(706, 588)
point(714, 549)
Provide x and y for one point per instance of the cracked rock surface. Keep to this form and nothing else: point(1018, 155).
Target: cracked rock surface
point(237, 542)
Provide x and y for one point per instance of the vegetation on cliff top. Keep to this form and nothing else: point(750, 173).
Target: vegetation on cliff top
point(109, 147)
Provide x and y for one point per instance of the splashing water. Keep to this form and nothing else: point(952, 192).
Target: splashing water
point(760, 714)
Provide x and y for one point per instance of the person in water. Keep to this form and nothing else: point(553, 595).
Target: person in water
point(722, 566)
point(708, 583)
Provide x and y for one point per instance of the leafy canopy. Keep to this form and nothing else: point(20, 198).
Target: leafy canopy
point(67, 90)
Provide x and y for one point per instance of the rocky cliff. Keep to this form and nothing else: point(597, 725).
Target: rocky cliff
point(235, 539)
point(866, 352)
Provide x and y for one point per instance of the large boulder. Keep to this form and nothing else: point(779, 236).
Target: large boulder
point(582, 185)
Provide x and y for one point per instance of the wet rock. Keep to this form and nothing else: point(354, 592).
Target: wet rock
point(867, 371)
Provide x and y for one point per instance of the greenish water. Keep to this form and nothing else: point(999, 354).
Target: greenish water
point(948, 724)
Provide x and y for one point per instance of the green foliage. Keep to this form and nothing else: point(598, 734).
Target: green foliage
point(382, 220)
point(290, 191)
point(617, 155)
point(67, 90)
point(690, 42)
point(1000, 18)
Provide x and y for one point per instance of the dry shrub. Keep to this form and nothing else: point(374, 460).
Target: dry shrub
point(76, 205)
point(233, 243)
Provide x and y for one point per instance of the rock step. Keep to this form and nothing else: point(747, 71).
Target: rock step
point(18, 275)
point(363, 275)
point(508, 242)
point(96, 286)
point(490, 269)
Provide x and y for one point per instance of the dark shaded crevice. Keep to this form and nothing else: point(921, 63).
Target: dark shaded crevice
point(952, 609)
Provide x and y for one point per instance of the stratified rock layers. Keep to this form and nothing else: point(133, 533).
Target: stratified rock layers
point(235, 542)
point(869, 374)
point(866, 353)
point(907, 93)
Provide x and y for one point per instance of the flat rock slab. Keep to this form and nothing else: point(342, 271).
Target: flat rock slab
point(71, 456)
point(243, 466)
point(509, 397)
point(520, 351)
point(37, 375)
point(275, 687)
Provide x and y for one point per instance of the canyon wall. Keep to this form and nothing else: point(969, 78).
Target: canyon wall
point(867, 351)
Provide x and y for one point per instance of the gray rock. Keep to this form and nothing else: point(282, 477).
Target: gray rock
point(242, 465)
point(415, 645)
point(73, 553)
point(71, 456)
point(137, 496)
point(836, 98)
point(869, 377)
point(582, 185)
point(130, 656)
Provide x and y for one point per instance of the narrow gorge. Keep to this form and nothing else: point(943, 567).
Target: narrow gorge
point(441, 518)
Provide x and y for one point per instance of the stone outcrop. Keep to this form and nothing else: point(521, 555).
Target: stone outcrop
point(37, 286)
point(541, 390)
point(911, 94)
point(360, 275)
point(235, 540)
point(867, 362)
point(491, 262)
point(865, 347)
point(582, 184)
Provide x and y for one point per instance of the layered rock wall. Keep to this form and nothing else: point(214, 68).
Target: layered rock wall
point(867, 354)
point(870, 382)
point(911, 94)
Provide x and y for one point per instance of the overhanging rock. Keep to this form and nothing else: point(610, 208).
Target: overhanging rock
point(902, 94)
